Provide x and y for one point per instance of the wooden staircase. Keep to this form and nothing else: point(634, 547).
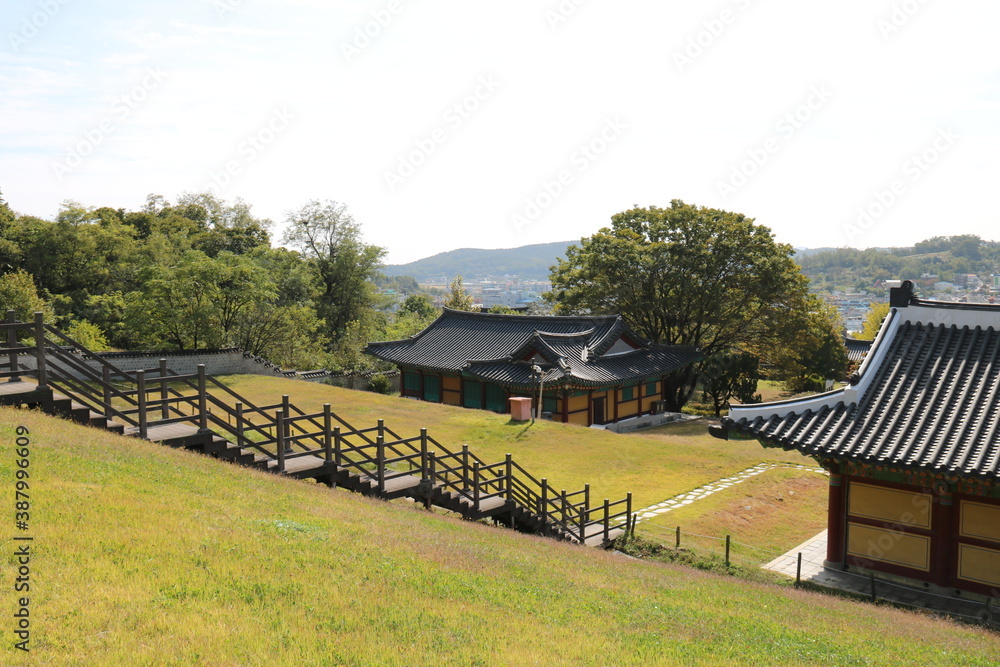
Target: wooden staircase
point(177, 410)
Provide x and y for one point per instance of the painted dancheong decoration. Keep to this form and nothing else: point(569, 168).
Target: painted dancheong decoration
point(912, 445)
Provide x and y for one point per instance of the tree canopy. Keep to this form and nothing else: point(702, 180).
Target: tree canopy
point(686, 275)
point(327, 235)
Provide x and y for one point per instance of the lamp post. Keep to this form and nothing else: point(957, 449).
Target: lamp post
point(536, 369)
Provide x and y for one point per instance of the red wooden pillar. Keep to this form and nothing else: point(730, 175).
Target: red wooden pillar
point(565, 407)
point(590, 407)
point(615, 396)
point(943, 531)
point(836, 516)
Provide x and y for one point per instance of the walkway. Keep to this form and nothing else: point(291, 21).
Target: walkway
point(707, 490)
point(814, 553)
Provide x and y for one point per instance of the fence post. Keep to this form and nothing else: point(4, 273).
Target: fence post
point(509, 471)
point(380, 460)
point(43, 376)
point(586, 496)
point(163, 389)
point(240, 438)
point(381, 428)
point(203, 400)
point(629, 526)
point(433, 476)
point(337, 455)
point(106, 377)
point(280, 419)
point(564, 507)
point(798, 570)
point(727, 550)
point(327, 436)
point(12, 343)
point(140, 382)
point(465, 468)
point(423, 454)
point(678, 544)
point(475, 486)
point(545, 500)
point(582, 521)
point(607, 520)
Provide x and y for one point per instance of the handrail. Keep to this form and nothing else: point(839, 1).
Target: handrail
point(377, 452)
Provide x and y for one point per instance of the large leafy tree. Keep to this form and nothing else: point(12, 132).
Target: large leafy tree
point(685, 275)
point(328, 236)
point(873, 322)
point(812, 348)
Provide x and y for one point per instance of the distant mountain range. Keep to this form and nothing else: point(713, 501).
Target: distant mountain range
point(530, 262)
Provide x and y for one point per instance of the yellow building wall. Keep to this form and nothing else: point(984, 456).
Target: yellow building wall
point(888, 546)
point(578, 418)
point(579, 403)
point(893, 506)
point(979, 564)
point(628, 408)
point(451, 382)
point(980, 521)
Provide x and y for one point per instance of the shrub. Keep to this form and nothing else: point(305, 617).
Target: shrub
point(380, 384)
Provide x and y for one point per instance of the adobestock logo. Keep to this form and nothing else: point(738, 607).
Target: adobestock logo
point(912, 170)
point(123, 107)
point(249, 149)
point(32, 25)
point(454, 117)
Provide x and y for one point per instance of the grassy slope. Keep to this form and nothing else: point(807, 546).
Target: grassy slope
point(766, 515)
point(654, 465)
point(146, 555)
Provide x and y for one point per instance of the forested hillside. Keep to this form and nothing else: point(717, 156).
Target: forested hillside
point(530, 262)
point(946, 258)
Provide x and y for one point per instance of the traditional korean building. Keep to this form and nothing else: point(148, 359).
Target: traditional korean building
point(912, 446)
point(594, 370)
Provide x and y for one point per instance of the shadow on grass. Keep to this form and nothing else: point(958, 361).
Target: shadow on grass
point(526, 424)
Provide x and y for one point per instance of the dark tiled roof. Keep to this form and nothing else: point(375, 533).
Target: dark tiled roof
point(494, 347)
point(856, 349)
point(926, 398)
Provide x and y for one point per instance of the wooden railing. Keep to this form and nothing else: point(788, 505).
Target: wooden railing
point(282, 432)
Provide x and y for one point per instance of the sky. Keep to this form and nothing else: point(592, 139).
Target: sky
point(494, 125)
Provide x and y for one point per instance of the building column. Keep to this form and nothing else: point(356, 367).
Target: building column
point(565, 406)
point(943, 532)
point(590, 407)
point(615, 395)
point(836, 517)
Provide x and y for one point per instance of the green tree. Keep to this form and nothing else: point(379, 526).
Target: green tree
point(873, 321)
point(178, 305)
point(419, 305)
point(327, 235)
point(685, 275)
point(728, 374)
point(9, 251)
point(458, 298)
point(812, 350)
point(19, 293)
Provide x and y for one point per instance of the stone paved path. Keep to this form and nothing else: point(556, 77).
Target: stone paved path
point(708, 489)
point(969, 608)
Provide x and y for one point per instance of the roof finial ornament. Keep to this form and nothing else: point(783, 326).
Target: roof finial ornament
point(899, 297)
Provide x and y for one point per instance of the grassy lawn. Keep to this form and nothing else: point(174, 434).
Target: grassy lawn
point(654, 464)
point(145, 555)
point(771, 513)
